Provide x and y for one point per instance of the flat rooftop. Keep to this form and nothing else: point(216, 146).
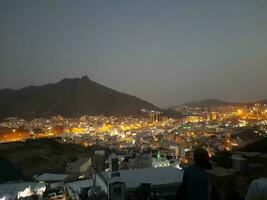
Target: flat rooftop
point(80, 184)
point(155, 176)
point(51, 177)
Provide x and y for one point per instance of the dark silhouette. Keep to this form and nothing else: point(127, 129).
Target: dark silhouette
point(231, 191)
point(72, 98)
point(214, 194)
point(195, 180)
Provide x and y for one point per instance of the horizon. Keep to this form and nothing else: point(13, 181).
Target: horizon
point(165, 107)
point(166, 53)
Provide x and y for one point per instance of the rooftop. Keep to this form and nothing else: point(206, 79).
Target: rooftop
point(155, 176)
point(51, 177)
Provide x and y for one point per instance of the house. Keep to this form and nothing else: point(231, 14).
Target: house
point(124, 183)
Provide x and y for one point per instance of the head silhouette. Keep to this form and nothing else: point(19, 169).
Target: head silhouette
point(201, 157)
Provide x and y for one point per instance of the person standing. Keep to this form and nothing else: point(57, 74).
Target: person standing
point(195, 184)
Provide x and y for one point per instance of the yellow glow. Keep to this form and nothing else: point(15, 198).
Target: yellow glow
point(78, 130)
point(105, 128)
point(239, 112)
point(210, 154)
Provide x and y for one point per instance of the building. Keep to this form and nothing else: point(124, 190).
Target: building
point(78, 189)
point(192, 119)
point(239, 163)
point(139, 160)
point(125, 183)
point(50, 178)
point(162, 162)
point(12, 191)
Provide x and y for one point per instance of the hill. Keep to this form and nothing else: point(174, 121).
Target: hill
point(209, 102)
point(258, 146)
point(70, 98)
point(249, 134)
point(217, 102)
point(25, 159)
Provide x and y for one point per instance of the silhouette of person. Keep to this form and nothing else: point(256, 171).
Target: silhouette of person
point(231, 191)
point(214, 194)
point(195, 180)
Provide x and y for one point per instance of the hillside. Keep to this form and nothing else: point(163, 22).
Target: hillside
point(25, 159)
point(249, 134)
point(217, 102)
point(258, 146)
point(70, 98)
point(208, 103)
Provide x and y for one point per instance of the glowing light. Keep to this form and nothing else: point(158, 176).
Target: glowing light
point(78, 130)
point(105, 128)
point(239, 112)
point(158, 156)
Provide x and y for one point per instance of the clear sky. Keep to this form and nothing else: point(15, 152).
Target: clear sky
point(164, 51)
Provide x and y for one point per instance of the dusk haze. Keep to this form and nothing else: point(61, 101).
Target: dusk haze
point(133, 100)
point(167, 52)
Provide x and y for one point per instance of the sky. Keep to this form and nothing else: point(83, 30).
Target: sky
point(163, 51)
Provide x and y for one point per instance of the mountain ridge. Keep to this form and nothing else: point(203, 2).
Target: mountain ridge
point(217, 102)
point(70, 97)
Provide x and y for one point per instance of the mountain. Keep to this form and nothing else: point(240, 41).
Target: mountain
point(217, 102)
point(70, 98)
point(263, 101)
point(209, 102)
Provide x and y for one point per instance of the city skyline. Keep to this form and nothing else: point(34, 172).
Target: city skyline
point(165, 53)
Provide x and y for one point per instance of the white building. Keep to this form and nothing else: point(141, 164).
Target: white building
point(122, 183)
point(163, 162)
point(12, 191)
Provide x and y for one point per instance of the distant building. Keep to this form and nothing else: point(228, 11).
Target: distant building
point(213, 116)
point(140, 160)
point(155, 116)
point(192, 119)
point(163, 162)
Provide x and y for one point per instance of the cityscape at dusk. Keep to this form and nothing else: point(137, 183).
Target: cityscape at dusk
point(138, 100)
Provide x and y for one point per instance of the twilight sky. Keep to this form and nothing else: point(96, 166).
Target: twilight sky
point(164, 51)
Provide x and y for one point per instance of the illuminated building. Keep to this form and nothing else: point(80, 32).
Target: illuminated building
point(193, 119)
point(155, 116)
point(162, 162)
point(213, 116)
